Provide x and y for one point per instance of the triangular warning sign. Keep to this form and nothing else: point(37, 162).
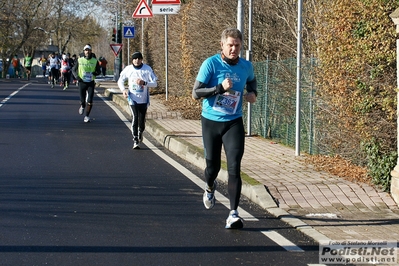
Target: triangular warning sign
point(142, 10)
point(166, 2)
point(116, 48)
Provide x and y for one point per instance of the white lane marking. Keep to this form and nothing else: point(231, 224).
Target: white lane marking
point(116, 110)
point(12, 94)
point(282, 241)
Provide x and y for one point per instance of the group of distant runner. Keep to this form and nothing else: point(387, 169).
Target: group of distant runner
point(56, 67)
point(17, 67)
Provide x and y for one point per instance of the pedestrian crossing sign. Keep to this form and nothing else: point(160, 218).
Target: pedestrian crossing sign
point(128, 31)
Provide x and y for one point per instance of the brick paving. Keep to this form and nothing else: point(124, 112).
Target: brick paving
point(334, 207)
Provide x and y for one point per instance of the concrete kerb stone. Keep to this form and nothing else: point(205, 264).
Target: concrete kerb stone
point(256, 193)
point(298, 224)
point(314, 234)
point(260, 196)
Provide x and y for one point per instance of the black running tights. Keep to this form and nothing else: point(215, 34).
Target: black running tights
point(231, 135)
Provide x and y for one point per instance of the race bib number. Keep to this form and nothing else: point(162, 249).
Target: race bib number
point(137, 88)
point(227, 103)
point(87, 77)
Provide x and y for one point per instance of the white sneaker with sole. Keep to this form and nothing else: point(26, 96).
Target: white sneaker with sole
point(136, 145)
point(209, 196)
point(86, 119)
point(234, 221)
point(81, 110)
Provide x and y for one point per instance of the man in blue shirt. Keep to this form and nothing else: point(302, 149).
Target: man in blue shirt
point(221, 83)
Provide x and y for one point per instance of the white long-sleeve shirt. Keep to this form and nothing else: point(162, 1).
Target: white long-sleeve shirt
point(137, 94)
point(54, 62)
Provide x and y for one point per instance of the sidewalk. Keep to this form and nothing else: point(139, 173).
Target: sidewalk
point(323, 206)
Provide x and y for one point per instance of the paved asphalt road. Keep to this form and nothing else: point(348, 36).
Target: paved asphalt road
point(74, 193)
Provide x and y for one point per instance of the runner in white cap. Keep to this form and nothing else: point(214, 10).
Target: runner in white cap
point(86, 69)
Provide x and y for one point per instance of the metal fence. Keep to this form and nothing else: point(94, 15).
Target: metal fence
point(273, 115)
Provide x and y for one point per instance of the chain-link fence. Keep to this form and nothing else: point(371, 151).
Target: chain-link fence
point(274, 113)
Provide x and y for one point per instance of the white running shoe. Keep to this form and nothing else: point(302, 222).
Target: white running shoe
point(86, 119)
point(209, 198)
point(136, 145)
point(234, 221)
point(81, 110)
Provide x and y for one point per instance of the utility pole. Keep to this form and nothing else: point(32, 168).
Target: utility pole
point(240, 18)
point(249, 58)
point(298, 82)
point(118, 38)
point(116, 63)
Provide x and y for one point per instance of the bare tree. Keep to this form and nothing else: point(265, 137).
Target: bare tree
point(17, 23)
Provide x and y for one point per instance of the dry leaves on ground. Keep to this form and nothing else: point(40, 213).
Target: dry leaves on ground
point(338, 166)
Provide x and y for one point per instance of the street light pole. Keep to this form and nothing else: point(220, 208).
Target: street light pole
point(298, 82)
point(249, 58)
point(240, 18)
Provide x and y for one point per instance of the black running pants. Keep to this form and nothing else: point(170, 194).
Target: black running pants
point(139, 112)
point(231, 136)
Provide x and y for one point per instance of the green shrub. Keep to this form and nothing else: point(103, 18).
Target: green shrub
point(379, 163)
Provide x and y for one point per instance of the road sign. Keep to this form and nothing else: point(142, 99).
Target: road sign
point(128, 31)
point(165, 2)
point(165, 9)
point(142, 10)
point(116, 48)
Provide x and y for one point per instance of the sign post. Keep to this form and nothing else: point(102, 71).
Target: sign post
point(128, 33)
point(116, 48)
point(165, 7)
point(142, 10)
point(166, 2)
